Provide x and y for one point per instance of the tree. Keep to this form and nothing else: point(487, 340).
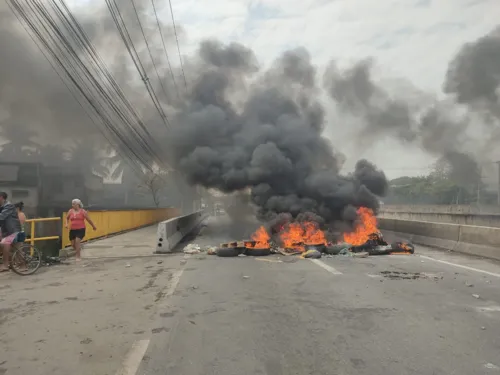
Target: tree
point(152, 184)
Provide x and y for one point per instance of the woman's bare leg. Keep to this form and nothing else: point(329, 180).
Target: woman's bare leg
point(77, 248)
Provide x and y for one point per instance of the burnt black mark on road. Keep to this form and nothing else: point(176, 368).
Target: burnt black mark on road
point(151, 280)
point(397, 275)
point(169, 314)
point(160, 329)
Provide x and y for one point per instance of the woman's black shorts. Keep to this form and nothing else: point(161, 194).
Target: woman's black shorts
point(76, 233)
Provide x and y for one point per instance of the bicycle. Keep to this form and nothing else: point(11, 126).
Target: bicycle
point(26, 258)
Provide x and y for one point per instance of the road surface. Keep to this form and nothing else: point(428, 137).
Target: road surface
point(205, 315)
point(281, 315)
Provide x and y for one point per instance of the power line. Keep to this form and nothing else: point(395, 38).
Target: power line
point(165, 48)
point(86, 77)
point(177, 41)
point(127, 40)
point(149, 50)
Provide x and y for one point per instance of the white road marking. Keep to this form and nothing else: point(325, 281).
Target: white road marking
point(462, 266)
point(326, 267)
point(134, 357)
point(489, 309)
point(176, 277)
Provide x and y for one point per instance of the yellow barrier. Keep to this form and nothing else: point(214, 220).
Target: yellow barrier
point(111, 222)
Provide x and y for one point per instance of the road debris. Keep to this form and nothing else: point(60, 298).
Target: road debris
point(192, 249)
point(491, 366)
point(476, 296)
point(212, 250)
point(397, 275)
point(311, 254)
point(246, 277)
point(469, 284)
point(269, 260)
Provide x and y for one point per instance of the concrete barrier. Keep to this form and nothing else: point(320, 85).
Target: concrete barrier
point(170, 232)
point(468, 239)
point(452, 214)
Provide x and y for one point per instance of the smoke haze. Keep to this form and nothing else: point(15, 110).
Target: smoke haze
point(236, 126)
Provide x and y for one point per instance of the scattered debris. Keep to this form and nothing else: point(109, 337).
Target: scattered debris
point(311, 254)
point(212, 250)
point(269, 260)
point(159, 262)
point(483, 328)
point(192, 249)
point(469, 285)
point(476, 296)
point(491, 366)
point(246, 277)
point(397, 275)
point(361, 255)
point(183, 261)
point(127, 265)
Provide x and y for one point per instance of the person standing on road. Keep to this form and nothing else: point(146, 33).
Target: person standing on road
point(9, 228)
point(75, 221)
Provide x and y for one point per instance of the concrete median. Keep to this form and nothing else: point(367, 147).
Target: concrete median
point(170, 232)
point(469, 239)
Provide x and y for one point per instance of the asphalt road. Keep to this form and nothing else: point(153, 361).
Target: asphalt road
point(281, 315)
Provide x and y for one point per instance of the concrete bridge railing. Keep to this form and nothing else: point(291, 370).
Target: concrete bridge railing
point(452, 214)
point(470, 239)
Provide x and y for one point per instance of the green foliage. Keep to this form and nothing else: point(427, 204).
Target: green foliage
point(439, 187)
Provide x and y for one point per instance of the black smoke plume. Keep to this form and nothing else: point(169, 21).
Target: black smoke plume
point(436, 126)
point(240, 129)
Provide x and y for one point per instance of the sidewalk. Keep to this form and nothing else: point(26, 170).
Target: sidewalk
point(137, 243)
point(82, 318)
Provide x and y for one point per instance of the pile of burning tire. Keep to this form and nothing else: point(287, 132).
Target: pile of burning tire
point(248, 248)
point(375, 245)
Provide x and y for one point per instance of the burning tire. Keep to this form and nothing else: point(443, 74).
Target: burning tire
point(336, 249)
point(403, 247)
point(227, 252)
point(257, 252)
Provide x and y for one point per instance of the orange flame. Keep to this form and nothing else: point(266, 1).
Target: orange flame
point(261, 239)
point(366, 226)
point(296, 235)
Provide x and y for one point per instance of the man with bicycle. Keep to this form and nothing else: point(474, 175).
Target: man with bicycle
point(10, 227)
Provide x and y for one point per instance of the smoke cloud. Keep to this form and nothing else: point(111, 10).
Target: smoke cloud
point(437, 126)
point(243, 129)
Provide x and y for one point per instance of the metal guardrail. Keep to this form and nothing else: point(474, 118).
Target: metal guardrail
point(33, 222)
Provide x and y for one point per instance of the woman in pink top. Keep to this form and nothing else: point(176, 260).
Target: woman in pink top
point(75, 220)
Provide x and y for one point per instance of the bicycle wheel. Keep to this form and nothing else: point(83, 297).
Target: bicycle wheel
point(26, 260)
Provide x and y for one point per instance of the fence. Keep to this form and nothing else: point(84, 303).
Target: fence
point(107, 223)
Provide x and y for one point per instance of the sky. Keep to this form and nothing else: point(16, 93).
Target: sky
point(412, 42)
point(409, 39)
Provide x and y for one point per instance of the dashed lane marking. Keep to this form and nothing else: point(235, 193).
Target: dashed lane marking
point(462, 266)
point(134, 357)
point(330, 269)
